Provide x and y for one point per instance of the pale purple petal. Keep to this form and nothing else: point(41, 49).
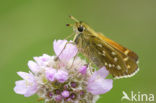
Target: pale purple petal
point(69, 52)
point(37, 59)
point(102, 72)
point(26, 87)
point(45, 57)
point(58, 46)
point(26, 76)
point(20, 87)
point(65, 93)
point(61, 76)
point(50, 74)
point(83, 69)
point(32, 89)
point(42, 60)
point(100, 86)
point(34, 67)
point(97, 84)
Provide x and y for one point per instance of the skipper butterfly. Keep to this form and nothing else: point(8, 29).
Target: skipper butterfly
point(102, 51)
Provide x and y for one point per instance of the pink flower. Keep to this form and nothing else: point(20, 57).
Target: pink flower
point(26, 87)
point(97, 84)
point(61, 76)
point(50, 74)
point(65, 93)
point(69, 51)
point(60, 80)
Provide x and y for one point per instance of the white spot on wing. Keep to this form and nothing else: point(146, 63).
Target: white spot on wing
point(103, 53)
point(113, 53)
point(110, 65)
point(137, 61)
point(128, 66)
point(100, 45)
point(126, 52)
point(125, 59)
point(118, 67)
point(115, 59)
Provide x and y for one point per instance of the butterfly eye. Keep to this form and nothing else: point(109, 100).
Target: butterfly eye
point(80, 29)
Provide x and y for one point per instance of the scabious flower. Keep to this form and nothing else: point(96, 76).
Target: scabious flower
point(64, 78)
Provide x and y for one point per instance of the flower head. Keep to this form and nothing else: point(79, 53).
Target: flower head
point(66, 79)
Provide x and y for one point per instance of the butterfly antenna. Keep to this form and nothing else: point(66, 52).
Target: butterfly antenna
point(73, 18)
point(69, 24)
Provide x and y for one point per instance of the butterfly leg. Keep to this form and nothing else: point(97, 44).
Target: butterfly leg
point(90, 65)
point(73, 60)
point(90, 68)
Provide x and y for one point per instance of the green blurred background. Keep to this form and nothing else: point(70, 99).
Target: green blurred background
point(28, 28)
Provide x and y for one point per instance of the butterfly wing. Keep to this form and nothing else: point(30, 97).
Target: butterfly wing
point(103, 53)
point(117, 46)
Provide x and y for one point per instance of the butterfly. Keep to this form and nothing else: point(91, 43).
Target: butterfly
point(102, 51)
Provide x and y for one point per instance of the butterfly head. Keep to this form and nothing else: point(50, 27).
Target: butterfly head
point(78, 26)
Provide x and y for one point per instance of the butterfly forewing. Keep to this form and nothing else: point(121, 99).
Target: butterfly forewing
point(117, 46)
point(102, 54)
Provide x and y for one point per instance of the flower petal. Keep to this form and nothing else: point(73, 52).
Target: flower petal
point(34, 67)
point(61, 76)
point(32, 89)
point(28, 86)
point(83, 69)
point(26, 76)
point(97, 84)
point(42, 60)
point(102, 72)
point(20, 87)
point(100, 86)
point(67, 53)
point(50, 74)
